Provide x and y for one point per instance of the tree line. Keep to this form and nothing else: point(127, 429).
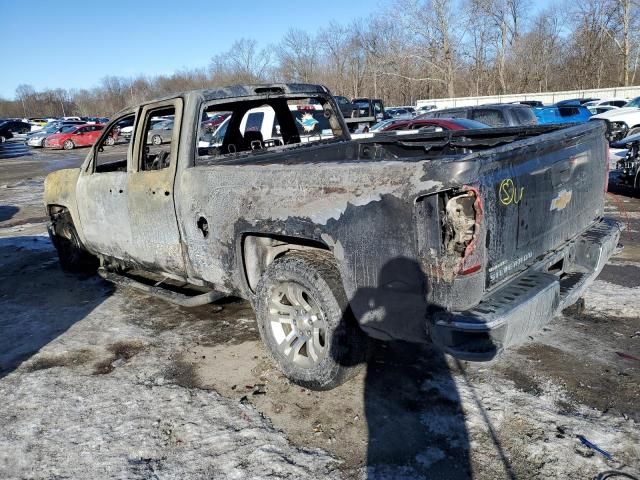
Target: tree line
point(405, 51)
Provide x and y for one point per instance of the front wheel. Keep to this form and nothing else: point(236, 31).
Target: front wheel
point(73, 257)
point(305, 321)
point(156, 140)
point(3, 139)
point(68, 145)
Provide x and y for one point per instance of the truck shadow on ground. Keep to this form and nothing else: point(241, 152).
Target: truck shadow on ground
point(7, 212)
point(38, 300)
point(413, 409)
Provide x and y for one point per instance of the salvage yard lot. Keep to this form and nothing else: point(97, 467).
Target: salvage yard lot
point(100, 382)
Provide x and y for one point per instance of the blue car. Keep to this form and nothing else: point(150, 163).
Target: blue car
point(562, 114)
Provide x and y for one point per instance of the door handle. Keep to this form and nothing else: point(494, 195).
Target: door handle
point(203, 226)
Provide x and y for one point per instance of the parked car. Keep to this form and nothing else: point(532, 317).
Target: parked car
point(381, 125)
point(424, 109)
point(622, 122)
point(345, 106)
point(575, 101)
point(439, 123)
point(494, 115)
point(37, 139)
point(530, 103)
point(160, 133)
point(72, 136)
point(53, 125)
point(614, 102)
point(10, 128)
point(212, 123)
point(331, 239)
point(399, 113)
point(562, 114)
point(366, 113)
point(629, 167)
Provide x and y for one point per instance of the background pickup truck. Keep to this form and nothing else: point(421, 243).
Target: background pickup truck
point(470, 239)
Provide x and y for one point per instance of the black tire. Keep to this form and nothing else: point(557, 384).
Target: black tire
point(344, 344)
point(72, 254)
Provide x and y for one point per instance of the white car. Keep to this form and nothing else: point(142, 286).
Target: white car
point(621, 122)
point(606, 104)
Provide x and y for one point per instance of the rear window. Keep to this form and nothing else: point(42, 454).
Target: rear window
point(257, 127)
point(459, 113)
point(254, 121)
point(470, 123)
point(525, 116)
point(568, 111)
point(489, 116)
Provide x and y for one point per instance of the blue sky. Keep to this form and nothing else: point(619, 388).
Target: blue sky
point(75, 44)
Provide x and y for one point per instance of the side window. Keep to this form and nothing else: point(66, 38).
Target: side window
point(489, 116)
point(111, 156)
point(244, 128)
point(157, 135)
point(568, 111)
point(254, 122)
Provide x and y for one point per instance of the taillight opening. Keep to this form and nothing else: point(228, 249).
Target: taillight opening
point(461, 228)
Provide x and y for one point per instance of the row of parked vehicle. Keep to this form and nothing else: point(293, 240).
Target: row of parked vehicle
point(622, 116)
point(38, 130)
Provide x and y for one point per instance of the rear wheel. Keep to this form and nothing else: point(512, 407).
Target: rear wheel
point(68, 145)
point(3, 139)
point(72, 254)
point(305, 322)
point(156, 140)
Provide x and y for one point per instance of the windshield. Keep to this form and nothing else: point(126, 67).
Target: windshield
point(68, 129)
point(633, 103)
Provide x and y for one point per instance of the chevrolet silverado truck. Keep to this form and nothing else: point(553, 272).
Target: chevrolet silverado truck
point(469, 239)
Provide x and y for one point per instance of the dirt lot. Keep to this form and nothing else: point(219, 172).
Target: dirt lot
point(100, 382)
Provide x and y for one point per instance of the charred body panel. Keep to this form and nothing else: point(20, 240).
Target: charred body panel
point(419, 226)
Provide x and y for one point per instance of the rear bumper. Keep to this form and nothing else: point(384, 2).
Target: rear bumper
point(522, 306)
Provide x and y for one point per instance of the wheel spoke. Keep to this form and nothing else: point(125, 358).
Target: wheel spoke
point(311, 348)
point(295, 296)
point(276, 307)
point(295, 347)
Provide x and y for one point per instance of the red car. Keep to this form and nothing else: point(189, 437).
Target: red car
point(443, 123)
point(210, 124)
point(73, 136)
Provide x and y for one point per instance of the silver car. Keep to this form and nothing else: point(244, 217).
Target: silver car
point(160, 133)
point(37, 139)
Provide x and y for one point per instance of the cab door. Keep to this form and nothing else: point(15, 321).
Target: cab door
point(155, 237)
point(102, 193)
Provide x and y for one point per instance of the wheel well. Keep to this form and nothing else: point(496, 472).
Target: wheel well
point(53, 209)
point(259, 250)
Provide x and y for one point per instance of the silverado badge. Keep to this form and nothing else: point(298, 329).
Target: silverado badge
point(561, 201)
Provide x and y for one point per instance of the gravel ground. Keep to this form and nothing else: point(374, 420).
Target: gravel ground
point(100, 382)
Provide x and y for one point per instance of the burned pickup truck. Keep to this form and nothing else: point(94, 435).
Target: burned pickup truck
point(469, 239)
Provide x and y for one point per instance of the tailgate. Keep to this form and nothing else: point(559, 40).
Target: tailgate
point(541, 193)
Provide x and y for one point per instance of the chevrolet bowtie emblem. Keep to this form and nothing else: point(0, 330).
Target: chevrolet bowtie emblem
point(561, 201)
